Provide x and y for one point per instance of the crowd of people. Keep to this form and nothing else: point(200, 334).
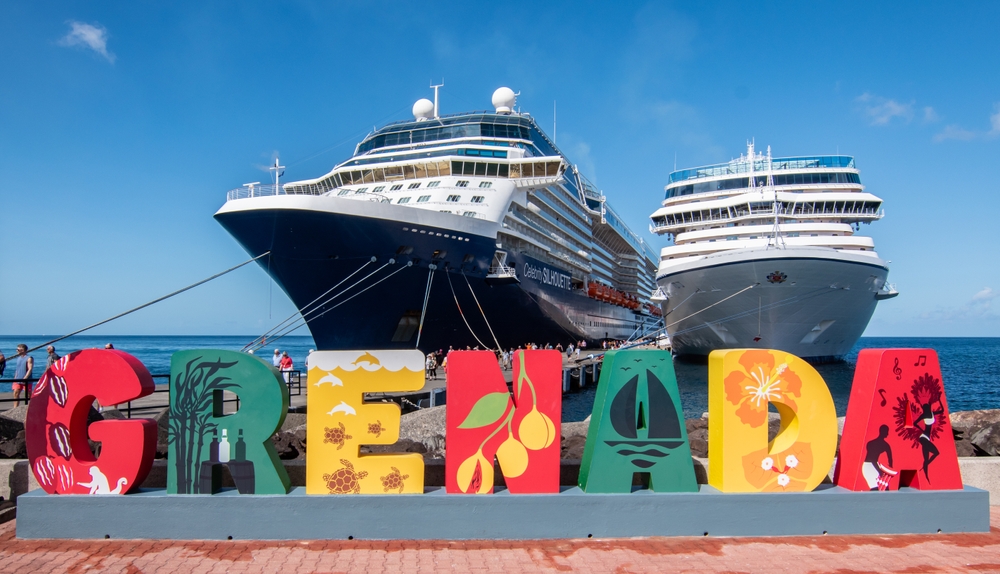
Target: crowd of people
point(439, 359)
point(24, 366)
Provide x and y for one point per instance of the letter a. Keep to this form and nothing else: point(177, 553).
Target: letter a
point(898, 431)
point(637, 426)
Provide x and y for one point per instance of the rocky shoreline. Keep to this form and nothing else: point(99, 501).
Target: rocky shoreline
point(977, 433)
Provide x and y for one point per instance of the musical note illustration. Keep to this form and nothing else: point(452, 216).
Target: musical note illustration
point(921, 361)
point(896, 370)
point(881, 393)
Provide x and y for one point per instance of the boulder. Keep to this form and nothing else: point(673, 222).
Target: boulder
point(293, 421)
point(289, 444)
point(14, 447)
point(427, 427)
point(967, 425)
point(12, 422)
point(162, 419)
point(986, 440)
point(573, 440)
point(697, 430)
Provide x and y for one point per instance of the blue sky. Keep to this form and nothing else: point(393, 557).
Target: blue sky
point(122, 127)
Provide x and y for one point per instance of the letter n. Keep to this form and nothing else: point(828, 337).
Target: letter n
point(484, 420)
point(637, 426)
point(897, 431)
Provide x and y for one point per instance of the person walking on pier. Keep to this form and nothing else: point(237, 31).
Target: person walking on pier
point(3, 364)
point(52, 358)
point(22, 372)
point(285, 364)
point(276, 359)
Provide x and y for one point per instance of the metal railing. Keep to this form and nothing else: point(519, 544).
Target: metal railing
point(293, 380)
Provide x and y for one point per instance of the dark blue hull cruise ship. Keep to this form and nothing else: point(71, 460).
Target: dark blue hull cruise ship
point(470, 229)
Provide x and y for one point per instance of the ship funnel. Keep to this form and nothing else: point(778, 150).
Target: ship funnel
point(423, 110)
point(504, 100)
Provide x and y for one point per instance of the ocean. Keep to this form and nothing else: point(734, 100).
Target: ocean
point(970, 367)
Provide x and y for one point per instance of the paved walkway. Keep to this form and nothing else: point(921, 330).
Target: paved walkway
point(924, 553)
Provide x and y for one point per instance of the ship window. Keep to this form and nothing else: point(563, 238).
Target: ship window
point(485, 184)
point(454, 197)
point(434, 184)
point(463, 183)
point(404, 200)
point(423, 199)
point(478, 198)
point(491, 169)
point(480, 169)
point(504, 171)
point(396, 187)
point(414, 186)
point(469, 168)
point(362, 190)
point(469, 214)
point(344, 192)
point(378, 189)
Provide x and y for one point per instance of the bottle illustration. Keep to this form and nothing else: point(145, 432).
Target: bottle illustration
point(213, 447)
point(224, 447)
point(241, 448)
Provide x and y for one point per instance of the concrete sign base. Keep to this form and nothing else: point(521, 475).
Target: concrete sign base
point(152, 514)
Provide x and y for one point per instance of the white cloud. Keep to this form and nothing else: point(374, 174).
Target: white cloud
point(954, 132)
point(979, 307)
point(930, 116)
point(881, 111)
point(995, 120)
point(985, 294)
point(87, 36)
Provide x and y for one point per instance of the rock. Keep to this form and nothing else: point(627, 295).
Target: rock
point(288, 445)
point(112, 414)
point(162, 419)
point(572, 447)
point(427, 427)
point(293, 421)
point(974, 420)
point(986, 440)
point(14, 447)
point(697, 430)
point(402, 445)
point(12, 422)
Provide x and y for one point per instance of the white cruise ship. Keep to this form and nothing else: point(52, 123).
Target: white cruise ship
point(766, 254)
point(450, 230)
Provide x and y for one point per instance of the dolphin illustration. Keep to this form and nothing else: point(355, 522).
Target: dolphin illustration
point(329, 378)
point(367, 358)
point(343, 408)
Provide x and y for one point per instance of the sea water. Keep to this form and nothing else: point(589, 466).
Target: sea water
point(970, 367)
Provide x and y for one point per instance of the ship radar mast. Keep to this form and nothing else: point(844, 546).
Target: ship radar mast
point(436, 86)
point(277, 174)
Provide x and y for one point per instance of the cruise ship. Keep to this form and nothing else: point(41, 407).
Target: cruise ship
point(766, 253)
point(470, 229)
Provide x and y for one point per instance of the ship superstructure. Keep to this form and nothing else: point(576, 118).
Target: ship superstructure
point(766, 254)
point(491, 235)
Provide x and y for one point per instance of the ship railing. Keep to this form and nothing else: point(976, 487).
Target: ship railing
point(255, 191)
point(666, 224)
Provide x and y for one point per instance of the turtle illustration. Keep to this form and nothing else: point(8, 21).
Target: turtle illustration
point(345, 480)
point(394, 480)
point(337, 435)
point(376, 428)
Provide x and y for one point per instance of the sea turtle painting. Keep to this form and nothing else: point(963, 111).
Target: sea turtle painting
point(345, 480)
point(337, 436)
point(394, 480)
point(376, 428)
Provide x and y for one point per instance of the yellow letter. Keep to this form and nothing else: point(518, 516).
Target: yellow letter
point(339, 422)
point(741, 383)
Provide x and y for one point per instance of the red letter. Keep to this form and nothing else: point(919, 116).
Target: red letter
point(897, 431)
point(56, 426)
point(483, 421)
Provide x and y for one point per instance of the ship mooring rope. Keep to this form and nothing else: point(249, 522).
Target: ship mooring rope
point(144, 305)
point(292, 328)
point(460, 313)
point(262, 340)
point(483, 313)
point(427, 296)
point(713, 304)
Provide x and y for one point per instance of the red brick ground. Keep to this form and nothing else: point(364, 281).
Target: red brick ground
point(924, 553)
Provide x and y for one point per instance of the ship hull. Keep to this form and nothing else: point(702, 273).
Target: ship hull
point(317, 242)
point(812, 302)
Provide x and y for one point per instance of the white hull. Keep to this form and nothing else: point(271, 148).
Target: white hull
point(818, 310)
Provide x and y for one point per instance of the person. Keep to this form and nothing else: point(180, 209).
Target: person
point(109, 346)
point(3, 364)
point(430, 364)
point(53, 357)
point(22, 372)
point(276, 359)
point(285, 364)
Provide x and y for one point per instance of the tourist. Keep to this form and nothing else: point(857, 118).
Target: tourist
point(22, 372)
point(3, 364)
point(285, 364)
point(276, 359)
point(53, 357)
point(109, 346)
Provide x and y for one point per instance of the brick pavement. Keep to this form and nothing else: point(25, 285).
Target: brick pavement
point(923, 553)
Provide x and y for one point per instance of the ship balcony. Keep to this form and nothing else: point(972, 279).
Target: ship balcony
point(846, 212)
point(257, 190)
